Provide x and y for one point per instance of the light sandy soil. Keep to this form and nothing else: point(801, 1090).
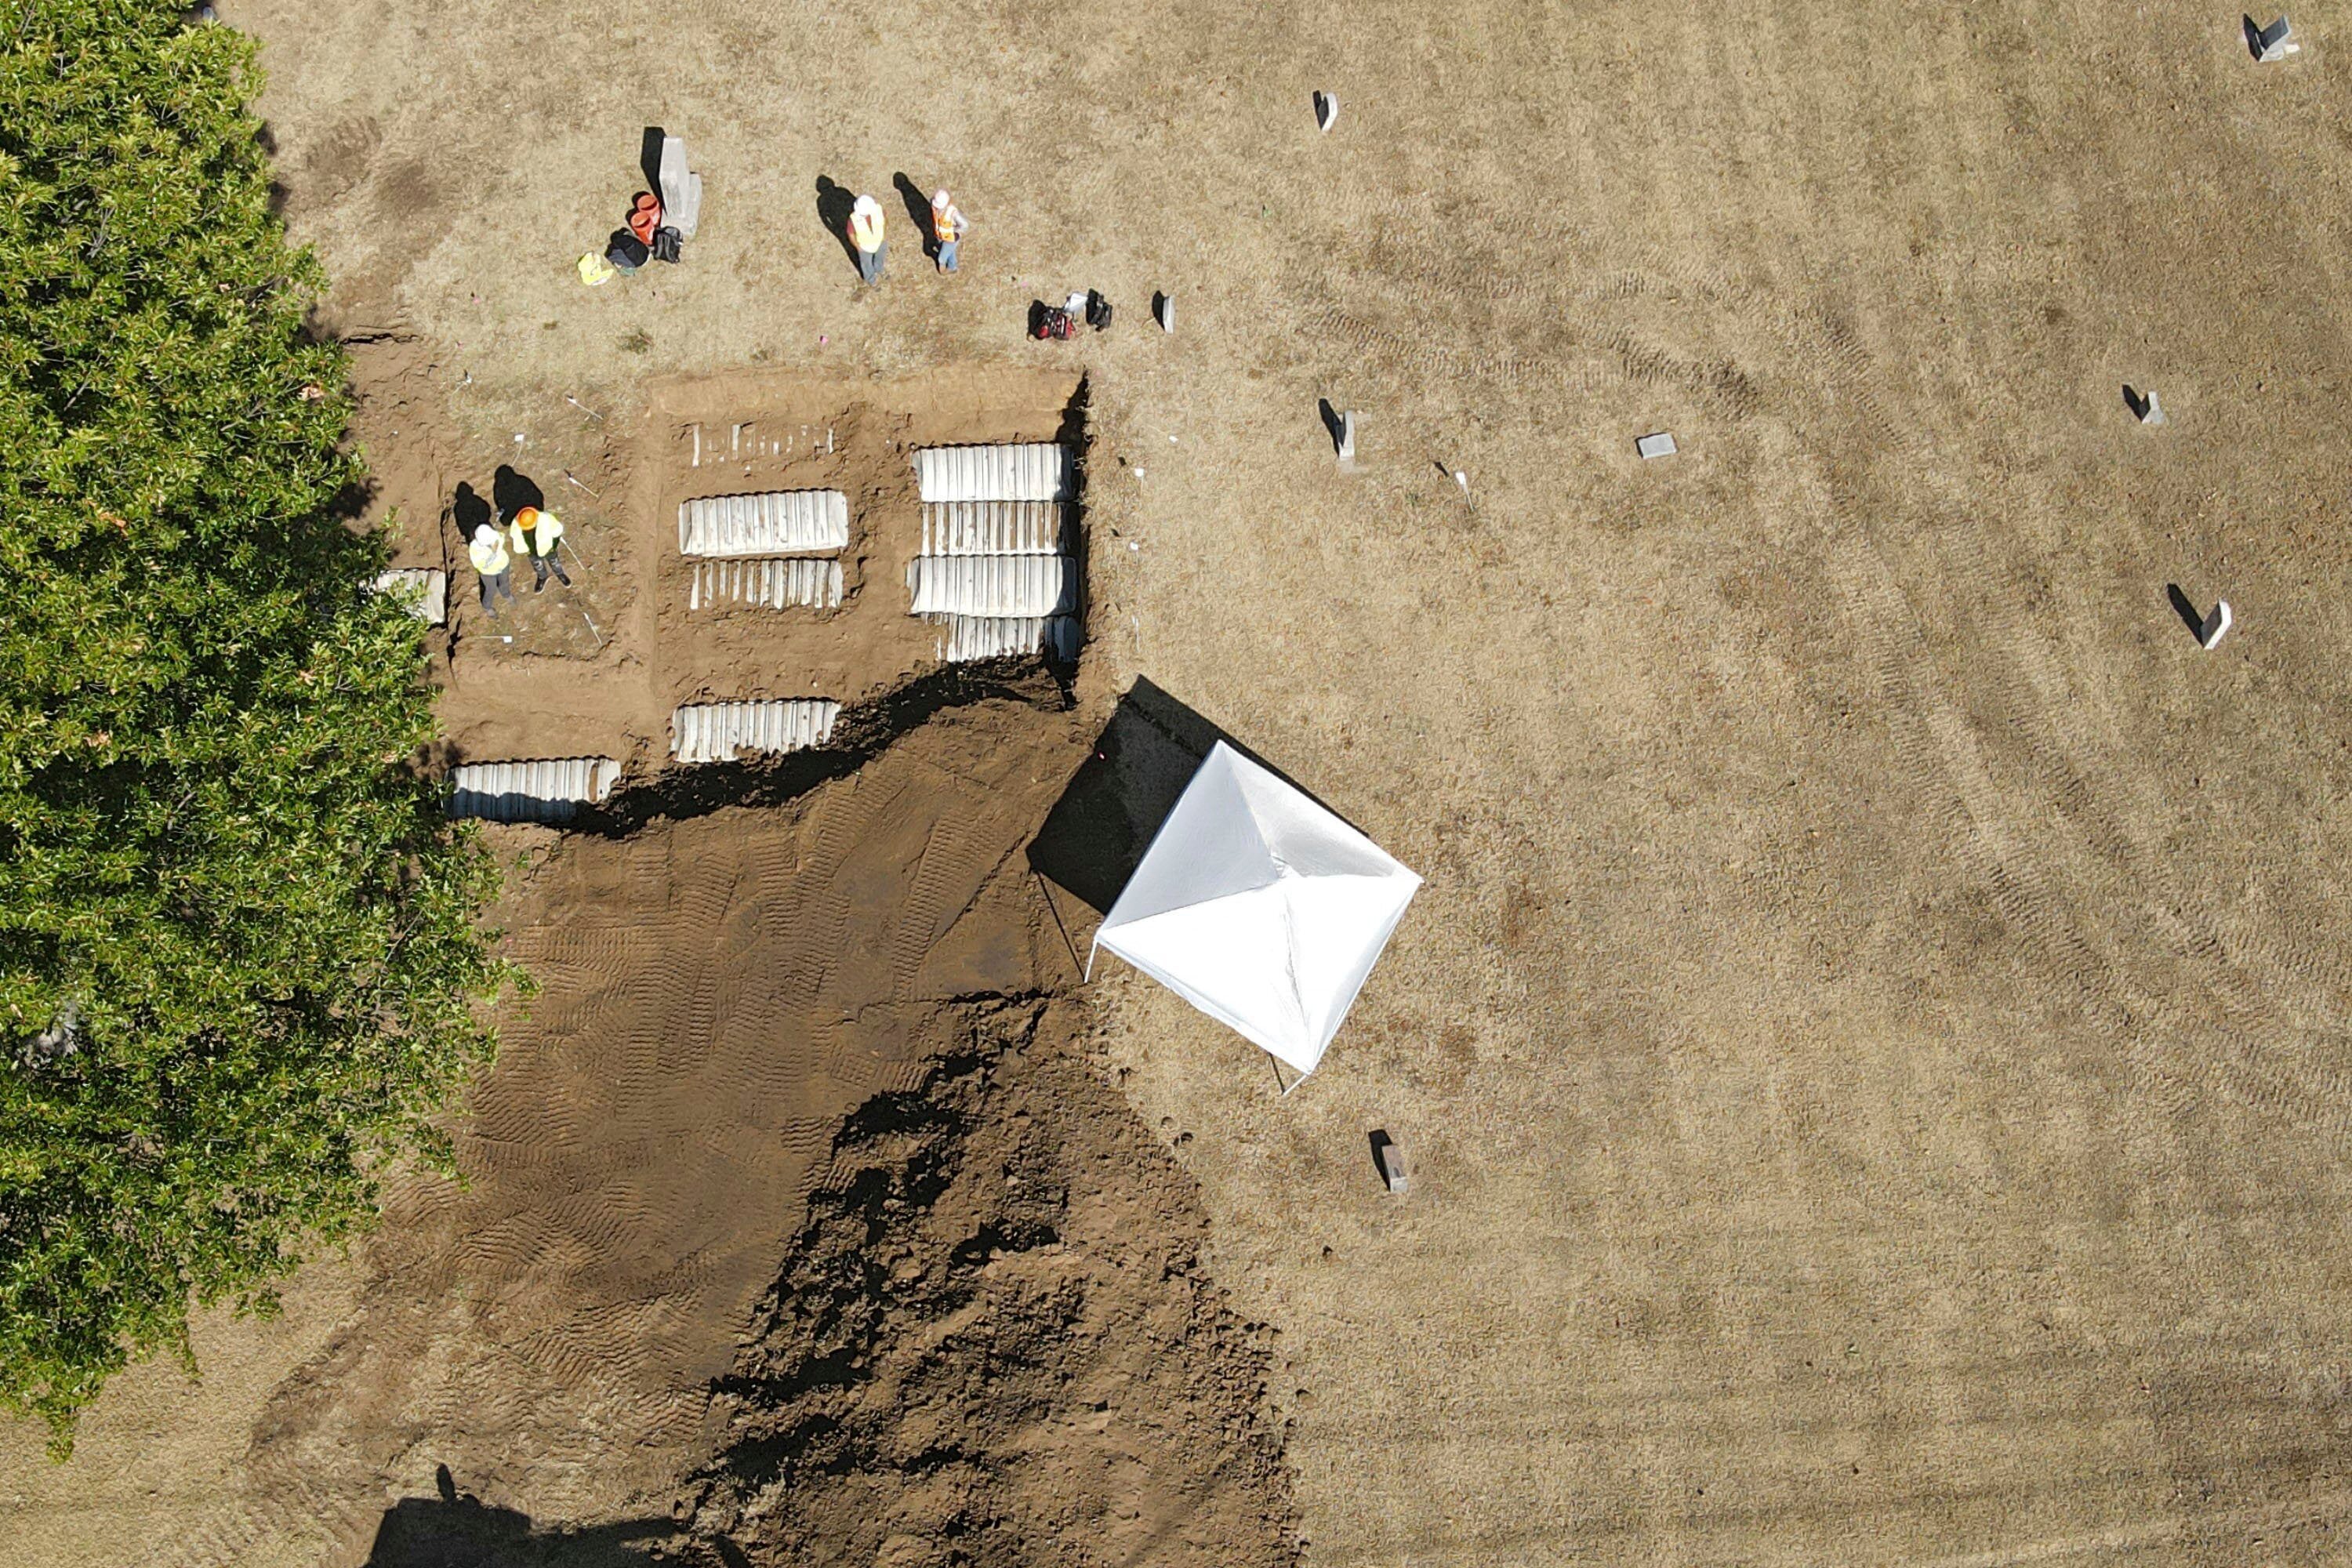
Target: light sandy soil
point(1873, 1043)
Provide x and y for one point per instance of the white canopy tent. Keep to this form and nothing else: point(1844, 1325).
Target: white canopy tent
point(1260, 908)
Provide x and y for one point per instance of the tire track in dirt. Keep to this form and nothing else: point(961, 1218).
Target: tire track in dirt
point(2012, 830)
point(547, 1331)
point(949, 880)
point(2022, 826)
point(1606, 270)
point(2054, 830)
point(2257, 1067)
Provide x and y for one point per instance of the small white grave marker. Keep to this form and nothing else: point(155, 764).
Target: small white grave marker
point(1392, 1167)
point(1346, 437)
point(1464, 480)
point(2148, 408)
point(2216, 626)
point(1327, 109)
point(2272, 42)
point(1164, 308)
point(1657, 445)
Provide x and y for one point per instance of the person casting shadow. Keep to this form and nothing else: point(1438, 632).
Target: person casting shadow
point(834, 206)
point(537, 536)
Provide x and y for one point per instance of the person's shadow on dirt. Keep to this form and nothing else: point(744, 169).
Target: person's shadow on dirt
point(458, 1529)
point(918, 213)
point(511, 491)
point(469, 512)
point(834, 206)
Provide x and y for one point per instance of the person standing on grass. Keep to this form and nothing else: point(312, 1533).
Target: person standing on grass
point(865, 234)
point(947, 228)
point(490, 559)
point(535, 533)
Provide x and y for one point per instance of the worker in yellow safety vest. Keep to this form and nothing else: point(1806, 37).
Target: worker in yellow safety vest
point(490, 559)
point(865, 234)
point(535, 533)
point(947, 228)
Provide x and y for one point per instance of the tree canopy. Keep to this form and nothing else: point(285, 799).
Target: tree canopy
point(241, 964)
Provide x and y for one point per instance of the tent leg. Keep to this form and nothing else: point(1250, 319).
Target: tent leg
point(1047, 894)
point(1274, 1062)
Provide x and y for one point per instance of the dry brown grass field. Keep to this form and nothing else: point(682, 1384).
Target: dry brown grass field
point(1873, 1042)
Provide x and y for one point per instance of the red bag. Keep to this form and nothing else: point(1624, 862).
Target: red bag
point(1053, 321)
point(645, 216)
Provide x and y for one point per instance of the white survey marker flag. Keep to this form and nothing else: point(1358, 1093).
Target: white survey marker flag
point(1260, 908)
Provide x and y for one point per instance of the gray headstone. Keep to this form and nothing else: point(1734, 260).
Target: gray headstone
point(2216, 625)
point(2272, 42)
point(681, 189)
point(61, 1039)
point(1659, 444)
point(2151, 410)
point(1392, 1168)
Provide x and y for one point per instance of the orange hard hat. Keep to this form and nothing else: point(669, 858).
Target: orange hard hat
point(526, 516)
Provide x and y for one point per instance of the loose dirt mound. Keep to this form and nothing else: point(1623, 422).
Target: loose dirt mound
point(994, 1341)
point(715, 993)
point(720, 985)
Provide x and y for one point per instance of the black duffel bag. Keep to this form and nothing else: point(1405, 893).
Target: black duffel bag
point(627, 251)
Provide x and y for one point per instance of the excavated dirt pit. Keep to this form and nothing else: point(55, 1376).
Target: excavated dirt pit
point(597, 667)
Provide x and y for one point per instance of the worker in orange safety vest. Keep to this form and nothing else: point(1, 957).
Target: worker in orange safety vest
point(865, 234)
point(947, 228)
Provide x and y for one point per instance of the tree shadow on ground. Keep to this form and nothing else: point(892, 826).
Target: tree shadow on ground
point(833, 204)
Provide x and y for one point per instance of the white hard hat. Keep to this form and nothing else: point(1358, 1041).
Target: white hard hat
point(486, 534)
point(868, 205)
point(939, 197)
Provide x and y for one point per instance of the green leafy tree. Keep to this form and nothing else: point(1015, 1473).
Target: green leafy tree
point(241, 965)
